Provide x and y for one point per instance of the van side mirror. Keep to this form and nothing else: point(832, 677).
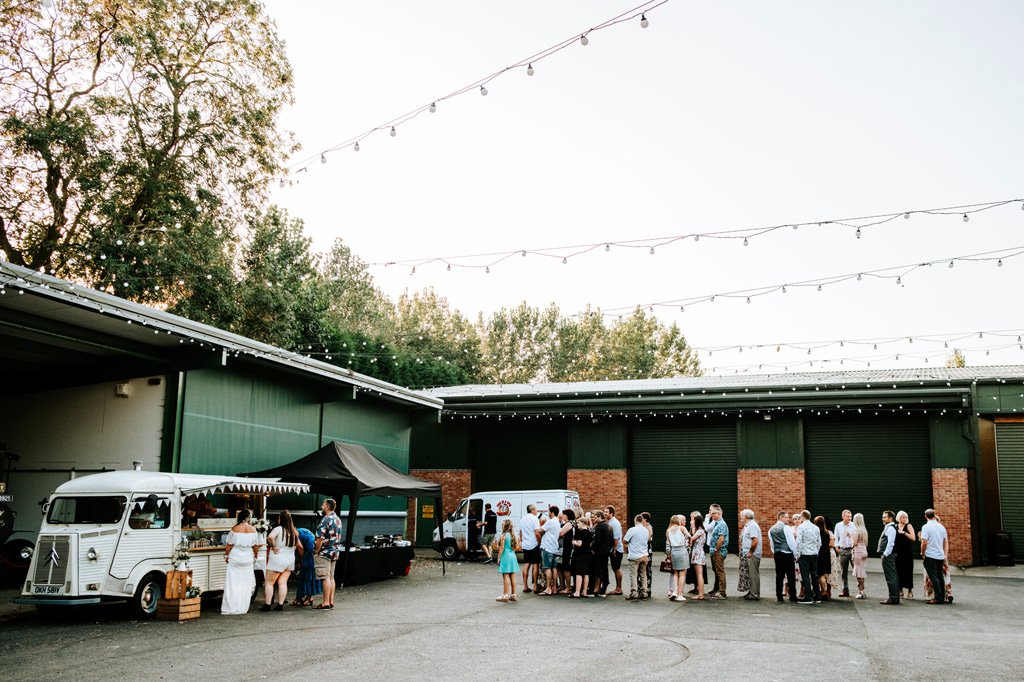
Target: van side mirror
point(451, 516)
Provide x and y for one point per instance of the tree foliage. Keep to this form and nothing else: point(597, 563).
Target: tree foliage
point(136, 136)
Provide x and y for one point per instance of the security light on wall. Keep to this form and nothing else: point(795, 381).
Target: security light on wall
point(123, 390)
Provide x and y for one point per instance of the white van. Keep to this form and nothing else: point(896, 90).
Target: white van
point(112, 536)
point(507, 504)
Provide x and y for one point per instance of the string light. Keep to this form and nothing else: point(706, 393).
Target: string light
point(491, 258)
point(643, 21)
point(355, 147)
point(550, 51)
point(393, 132)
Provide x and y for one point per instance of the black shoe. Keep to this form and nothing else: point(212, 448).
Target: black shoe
point(890, 602)
point(779, 599)
point(279, 607)
point(265, 607)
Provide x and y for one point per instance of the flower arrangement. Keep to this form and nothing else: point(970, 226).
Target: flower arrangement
point(262, 526)
point(193, 592)
point(181, 555)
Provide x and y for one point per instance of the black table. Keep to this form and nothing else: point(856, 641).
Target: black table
point(368, 565)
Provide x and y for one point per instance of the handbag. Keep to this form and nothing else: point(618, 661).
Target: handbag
point(666, 565)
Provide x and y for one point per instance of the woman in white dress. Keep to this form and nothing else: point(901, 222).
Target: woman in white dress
point(240, 582)
point(282, 544)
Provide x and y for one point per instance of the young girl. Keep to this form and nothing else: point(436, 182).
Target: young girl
point(508, 565)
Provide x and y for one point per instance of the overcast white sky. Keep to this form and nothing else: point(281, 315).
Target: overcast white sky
point(717, 116)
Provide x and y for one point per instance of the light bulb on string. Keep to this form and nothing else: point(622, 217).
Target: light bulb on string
point(858, 233)
point(393, 131)
point(323, 158)
point(487, 269)
point(745, 242)
point(819, 287)
point(783, 288)
point(906, 216)
point(564, 260)
point(899, 281)
point(748, 299)
point(967, 218)
point(999, 262)
point(858, 276)
point(643, 21)
point(433, 107)
point(529, 70)
point(584, 41)
point(483, 91)
point(355, 147)
point(523, 254)
point(607, 248)
point(951, 264)
point(449, 267)
point(652, 251)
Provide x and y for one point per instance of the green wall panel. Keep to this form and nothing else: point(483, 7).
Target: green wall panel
point(950, 449)
point(597, 446)
point(771, 444)
point(1000, 398)
point(233, 422)
point(382, 430)
point(1010, 454)
point(439, 446)
point(523, 456)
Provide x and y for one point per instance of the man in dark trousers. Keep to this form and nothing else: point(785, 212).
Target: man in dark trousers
point(783, 546)
point(603, 545)
point(488, 529)
point(886, 545)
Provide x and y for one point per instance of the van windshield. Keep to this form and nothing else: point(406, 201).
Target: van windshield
point(72, 510)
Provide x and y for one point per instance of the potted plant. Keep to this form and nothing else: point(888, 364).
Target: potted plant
point(180, 557)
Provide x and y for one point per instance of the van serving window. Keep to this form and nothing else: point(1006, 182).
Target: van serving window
point(72, 510)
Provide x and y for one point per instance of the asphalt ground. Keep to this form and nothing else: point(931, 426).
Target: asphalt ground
point(428, 626)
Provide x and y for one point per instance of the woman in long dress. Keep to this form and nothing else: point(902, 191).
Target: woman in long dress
point(282, 546)
point(860, 553)
point(240, 582)
point(905, 537)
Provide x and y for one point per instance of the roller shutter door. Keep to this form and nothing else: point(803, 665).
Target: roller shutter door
point(1010, 457)
point(868, 465)
point(520, 457)
point(676, 470)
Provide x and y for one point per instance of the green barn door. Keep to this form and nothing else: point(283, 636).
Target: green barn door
point(512, 456)
point(1010, 458)
point(868, 465)
point(676, 470)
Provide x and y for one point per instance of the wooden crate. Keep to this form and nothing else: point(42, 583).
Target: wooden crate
point(178, 583)
point(178, 609)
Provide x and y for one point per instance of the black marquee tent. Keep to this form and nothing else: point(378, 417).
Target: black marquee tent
point(339, 469)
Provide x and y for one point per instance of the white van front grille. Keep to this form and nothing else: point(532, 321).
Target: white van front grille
point(52, 557)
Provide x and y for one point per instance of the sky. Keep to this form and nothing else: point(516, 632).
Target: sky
point(717, 116)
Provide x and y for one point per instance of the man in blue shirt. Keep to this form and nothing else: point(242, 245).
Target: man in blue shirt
point(934, 544)
point(718, 541)
point(886, 545)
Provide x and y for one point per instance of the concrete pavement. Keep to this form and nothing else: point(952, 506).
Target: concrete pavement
point(427, 625)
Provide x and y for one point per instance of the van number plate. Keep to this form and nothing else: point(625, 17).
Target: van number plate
point(46, 589)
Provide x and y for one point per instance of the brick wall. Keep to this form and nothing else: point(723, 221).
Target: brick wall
point(952, 502)
point(767, 492)
point(600, 487)
point(455, 485)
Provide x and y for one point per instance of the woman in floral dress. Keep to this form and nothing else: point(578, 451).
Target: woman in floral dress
point(697, 557)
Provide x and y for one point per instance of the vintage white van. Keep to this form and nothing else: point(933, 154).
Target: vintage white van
point(112, 536)
point(507, 504)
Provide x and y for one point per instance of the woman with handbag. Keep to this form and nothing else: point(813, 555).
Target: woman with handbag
point(508, 565)
point(677, 541)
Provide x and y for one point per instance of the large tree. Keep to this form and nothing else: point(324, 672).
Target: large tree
point(135, 136)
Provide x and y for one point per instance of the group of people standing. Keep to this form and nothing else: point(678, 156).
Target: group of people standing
point(288, 547)
point(570, 552)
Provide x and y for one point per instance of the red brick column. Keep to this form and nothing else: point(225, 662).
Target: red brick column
point(455, 485)
point(951, 497)
point(766, 492)
point(599, 488)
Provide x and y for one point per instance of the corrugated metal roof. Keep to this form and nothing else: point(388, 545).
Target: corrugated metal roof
point(852, 379)
point(95, 310)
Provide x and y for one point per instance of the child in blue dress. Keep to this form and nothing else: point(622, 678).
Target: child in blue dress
point(508, 565)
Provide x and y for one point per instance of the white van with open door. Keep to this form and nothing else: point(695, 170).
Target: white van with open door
point(460, 539)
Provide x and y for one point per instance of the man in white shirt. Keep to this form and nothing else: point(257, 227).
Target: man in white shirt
point(750, 553)
point(845, 534)
point(528, 529)
point(808, 542)
point(886, 545)
point(549, 546)
point(617, 551)
point(635, 543)
point(934, 546)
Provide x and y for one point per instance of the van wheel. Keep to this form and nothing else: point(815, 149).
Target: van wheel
point(450, 551)
point(148, 593)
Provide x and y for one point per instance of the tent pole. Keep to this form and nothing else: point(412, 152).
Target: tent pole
point(353, 508)
point(438, 513)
